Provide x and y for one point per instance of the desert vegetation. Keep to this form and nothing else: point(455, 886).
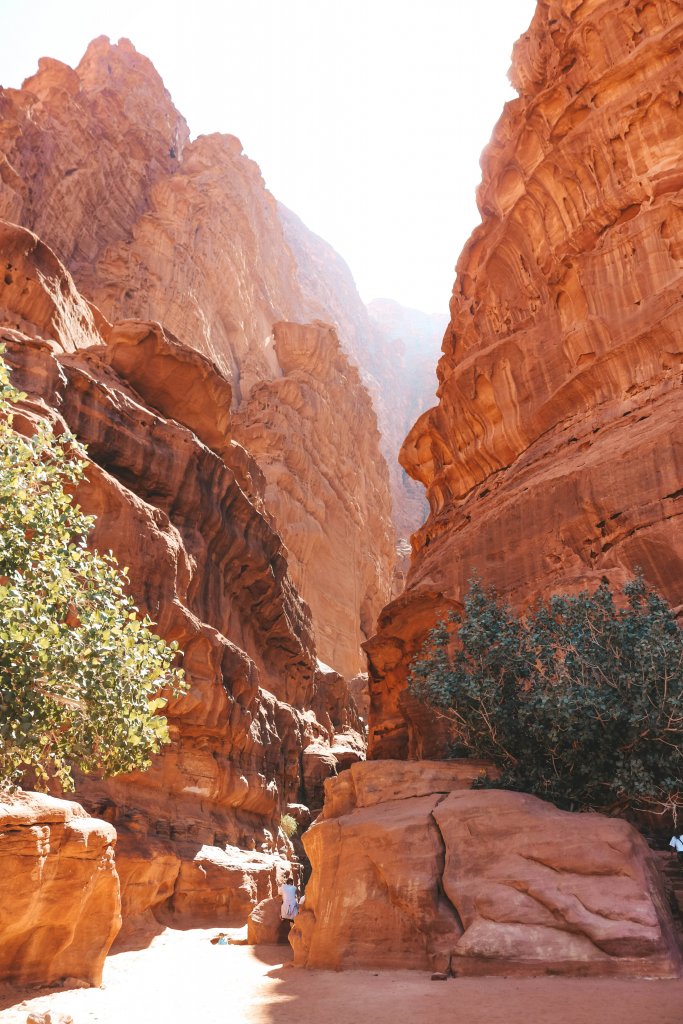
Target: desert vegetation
point(81, 672)
point(579, 701)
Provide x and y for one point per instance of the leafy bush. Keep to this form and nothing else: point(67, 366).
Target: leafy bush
point(580, 702)
point(80, 671)
point(289, 825)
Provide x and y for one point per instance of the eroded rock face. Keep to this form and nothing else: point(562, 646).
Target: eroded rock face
point(206, 564)
point(406, 347)
point(154, 228)
point(547, 889)
point(265, 926)
point(331, 512)
point(395, 349)
point(555, 455)
point(60, 907)
point(413, 869)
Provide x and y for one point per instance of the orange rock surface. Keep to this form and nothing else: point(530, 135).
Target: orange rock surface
point(153, 227)
point(60, 905)
point(265, 925)
point(411, 868)
point(555, 455)
point(171, 497)
point(337, 528)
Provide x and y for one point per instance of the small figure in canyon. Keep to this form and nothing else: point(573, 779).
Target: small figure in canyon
point(677, 843)
point(290, 903)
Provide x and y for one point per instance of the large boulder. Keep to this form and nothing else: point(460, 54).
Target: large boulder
point(59, 891)
point(539, 889)
point(265, 926)
point(414, 869)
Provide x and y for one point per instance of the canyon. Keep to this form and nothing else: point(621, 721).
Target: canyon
point(213, 386)
point(242, 411)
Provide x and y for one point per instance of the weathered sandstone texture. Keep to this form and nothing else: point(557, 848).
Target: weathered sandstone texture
point(59, 892)
point(153, 227)
point(312, 431)
point(265, 926)
point(170, 489)
point(413, 869)
point(406, 344)
point(395, 348)
point(555, 455)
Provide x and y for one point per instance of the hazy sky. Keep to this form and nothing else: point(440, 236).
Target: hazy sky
point(367, 117)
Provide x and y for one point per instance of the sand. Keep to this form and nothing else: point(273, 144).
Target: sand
point(182, 979)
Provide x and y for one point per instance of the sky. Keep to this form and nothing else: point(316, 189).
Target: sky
point(366, 117)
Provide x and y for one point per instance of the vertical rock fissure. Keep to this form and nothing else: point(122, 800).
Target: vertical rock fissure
point(441, 866)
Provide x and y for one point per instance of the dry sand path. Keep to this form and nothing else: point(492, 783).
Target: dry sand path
point(182, 979)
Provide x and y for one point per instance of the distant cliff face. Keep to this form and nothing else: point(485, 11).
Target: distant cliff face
point(153, 227)
point(321, 485)
point(408, 344)
point(555, 455)
point(395, 348)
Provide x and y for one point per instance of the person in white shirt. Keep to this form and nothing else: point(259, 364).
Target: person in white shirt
point(677, 843)
point(290, 904)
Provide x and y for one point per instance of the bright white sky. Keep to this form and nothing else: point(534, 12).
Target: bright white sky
point(367, 117)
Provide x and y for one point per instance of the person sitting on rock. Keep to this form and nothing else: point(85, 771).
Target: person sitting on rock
point(290, 904)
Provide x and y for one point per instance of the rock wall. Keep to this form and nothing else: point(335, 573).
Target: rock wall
point(408, 344)
point(395, 348)
point(339, 539)
point(60, 907)
point(412, 869)
point(170, 490)
point(554, 458)
point(153, 227)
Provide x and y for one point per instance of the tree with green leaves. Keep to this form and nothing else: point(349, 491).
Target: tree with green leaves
point(81, 672)
point(580, 701)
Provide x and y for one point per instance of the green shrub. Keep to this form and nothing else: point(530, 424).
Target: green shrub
point(579, 702)
point(80, 671)
point(289, 825)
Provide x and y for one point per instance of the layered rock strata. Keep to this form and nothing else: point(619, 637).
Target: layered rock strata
point(313, 431)
point(60, 907)
point(169, 489)
point(413, 869)
point(554, 458)
point(153, 227)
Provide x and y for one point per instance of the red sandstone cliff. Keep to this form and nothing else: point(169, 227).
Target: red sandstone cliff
point(171, 492)
point(97, 161)
point(555, 455)
point(313, 432)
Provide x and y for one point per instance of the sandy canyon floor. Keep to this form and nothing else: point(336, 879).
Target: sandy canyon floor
point(181, 979)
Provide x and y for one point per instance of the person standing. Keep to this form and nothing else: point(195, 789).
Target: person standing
point(677, 843)
point(290, 903)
